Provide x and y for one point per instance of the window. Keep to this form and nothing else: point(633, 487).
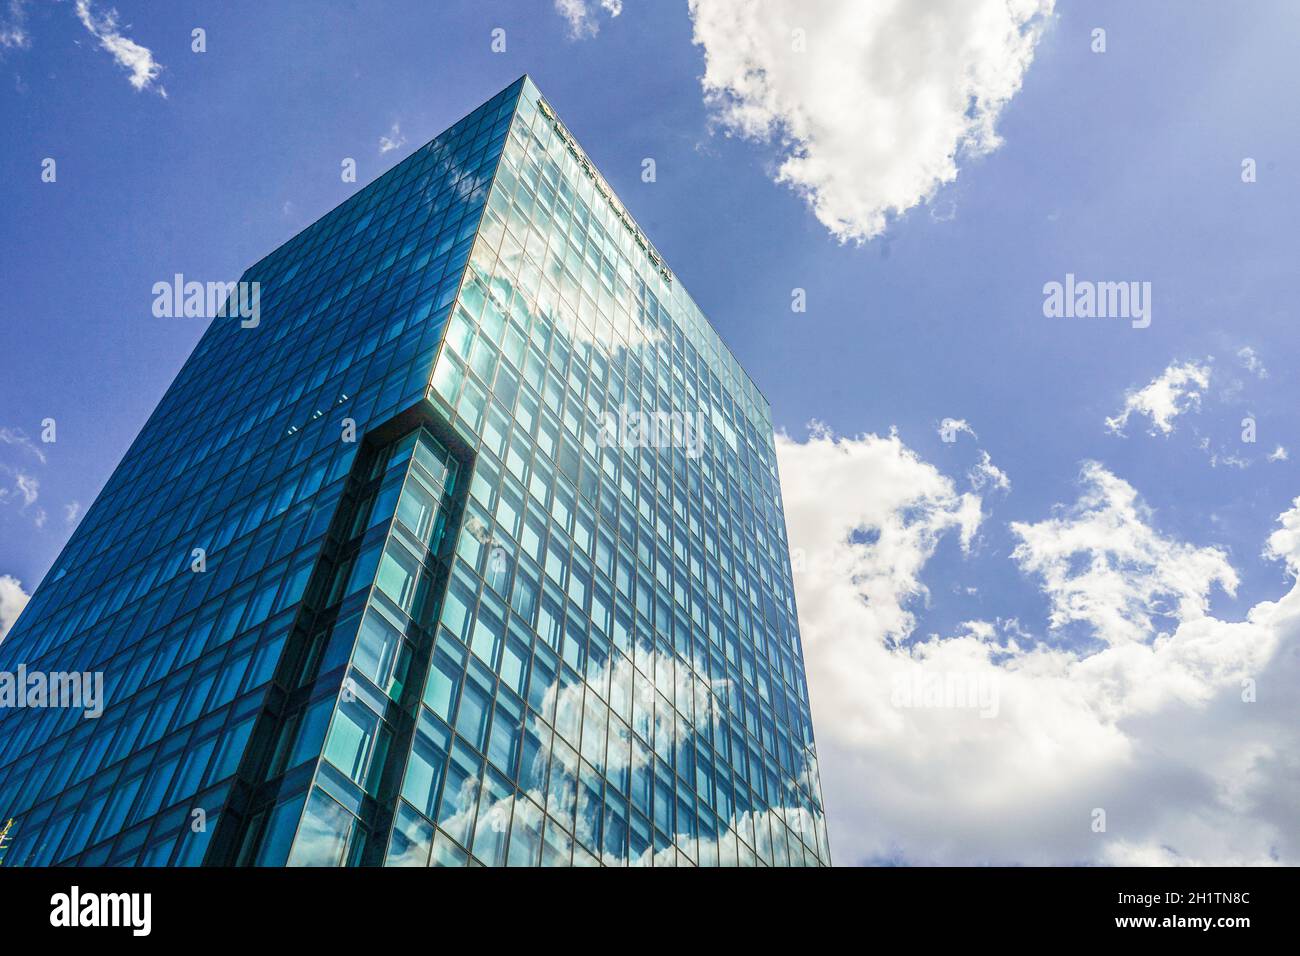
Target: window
point(324, 833)
point(399, 577)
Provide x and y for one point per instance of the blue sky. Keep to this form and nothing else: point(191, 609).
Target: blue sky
point(1123, 165)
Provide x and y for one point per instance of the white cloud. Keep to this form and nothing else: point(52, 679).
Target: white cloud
point(395, 140)
point(1151, 727)
point(880, 540)
point(988, 475)
point(1278, 454)
point(24, 488)
point(28, 488)
point(13, 32)
point(1250, 360)
point(1229, 461)
point(874, 105)
point(15, 437)
point(943, 212)
point(136, 59)
point(71, 512)
point(1102, 563)
point(584, 16)
point(1174, 391)
point(12, 600)
point(1284, 543)
point(18, 486)
point(950, 428)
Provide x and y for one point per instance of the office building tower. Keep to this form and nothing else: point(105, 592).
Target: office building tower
point(467, 547)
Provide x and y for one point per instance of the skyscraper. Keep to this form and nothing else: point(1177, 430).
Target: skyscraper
point(468, 547)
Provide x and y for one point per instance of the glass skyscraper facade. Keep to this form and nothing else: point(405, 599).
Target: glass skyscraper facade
point(380, 584)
